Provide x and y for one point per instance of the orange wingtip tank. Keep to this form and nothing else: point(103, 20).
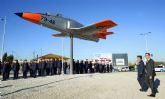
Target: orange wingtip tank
point(105, 24)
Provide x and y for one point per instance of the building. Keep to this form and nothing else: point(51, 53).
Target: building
point(53, 56)
point(120, 59)
point(116, 59)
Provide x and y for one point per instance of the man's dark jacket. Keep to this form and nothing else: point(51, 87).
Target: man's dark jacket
point(150, 69)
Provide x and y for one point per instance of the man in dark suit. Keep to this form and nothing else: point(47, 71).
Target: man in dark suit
point(150, 74)
point(141, 73)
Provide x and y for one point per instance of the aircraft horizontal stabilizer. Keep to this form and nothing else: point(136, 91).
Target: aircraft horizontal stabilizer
point(103, 34)
point(59, 35)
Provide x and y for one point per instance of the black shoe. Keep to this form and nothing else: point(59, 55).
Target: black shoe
point(142, 90)
point(151, 95)
point(157, 91)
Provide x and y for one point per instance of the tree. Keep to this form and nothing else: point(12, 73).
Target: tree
point(4, 58)
point(159, 63)
point(9, 58)
point(131, 66)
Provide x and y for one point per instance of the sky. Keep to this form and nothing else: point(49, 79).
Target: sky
point(133, 17)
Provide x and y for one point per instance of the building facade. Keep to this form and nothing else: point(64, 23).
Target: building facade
point(116, 59)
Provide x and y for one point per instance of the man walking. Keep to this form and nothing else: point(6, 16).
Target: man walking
point(141, 74)
point(150, 74)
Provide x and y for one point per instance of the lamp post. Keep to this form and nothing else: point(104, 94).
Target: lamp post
point(3, 36)
point(62, 46)
point(146, 41)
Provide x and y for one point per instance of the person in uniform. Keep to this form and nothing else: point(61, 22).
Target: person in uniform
point(0, 67)
point(104, 68)
point(8, 64)
point(65, 67)
point(43, 67)
point(96, 66)
point(30, 67)
point(81, 67)
point(16, 68)
point(47, 68)
point(108, 67)
point(90, 67)
point(93, 68)
point(150, 70)
point(77, 67)
point(25, 68)
point(86, 66)
point(59, 66)
point(111, 68)
point(55, 66)
point(74, 67)
point(34, 68)
point(51, 67)
point(100, 68)
point(141, 73)
point(4, 71)
point(40, 68)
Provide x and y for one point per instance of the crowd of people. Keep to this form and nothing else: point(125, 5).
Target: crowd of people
point(46, 67)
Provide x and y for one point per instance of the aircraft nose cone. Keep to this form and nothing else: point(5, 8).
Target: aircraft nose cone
point(19, 14)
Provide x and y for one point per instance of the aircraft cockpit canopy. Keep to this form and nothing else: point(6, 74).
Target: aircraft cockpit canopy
point(58, 15)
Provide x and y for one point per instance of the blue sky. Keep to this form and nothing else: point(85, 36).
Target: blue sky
point(132, 16)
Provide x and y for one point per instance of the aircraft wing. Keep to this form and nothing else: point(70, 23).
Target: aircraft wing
point(94, 28)
point(80, 36)
point(92, 32)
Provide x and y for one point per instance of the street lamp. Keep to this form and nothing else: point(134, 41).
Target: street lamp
point(3, 36)
point(146, 41)
point(62, 56)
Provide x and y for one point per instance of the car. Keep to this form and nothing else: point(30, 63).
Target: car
point(160, 68)
point(125, 69)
